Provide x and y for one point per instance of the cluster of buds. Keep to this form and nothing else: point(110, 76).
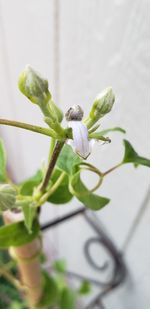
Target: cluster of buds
point(35, 88)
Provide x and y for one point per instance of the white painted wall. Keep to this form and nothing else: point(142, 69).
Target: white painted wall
point(82, 47)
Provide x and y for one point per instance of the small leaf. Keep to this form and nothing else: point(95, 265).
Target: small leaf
point(7, 197)
point(117, 129)
point(60, 265)
point(90, 200)
point(68, 299)
point(16, 234)
point(131, 156)
point(62, 194)
point(27, 187)
point(85, 287)
point(50, 292)
point(68, 159)
point(29, 212)
point(96, 135)
point(2, 162)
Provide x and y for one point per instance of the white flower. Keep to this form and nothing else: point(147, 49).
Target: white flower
point(80, 142)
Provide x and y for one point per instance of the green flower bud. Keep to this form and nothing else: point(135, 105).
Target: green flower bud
point(7, 197)
point(102, 104)
point(33, 86)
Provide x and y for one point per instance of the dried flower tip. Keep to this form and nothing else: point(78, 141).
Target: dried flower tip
point(74, 113)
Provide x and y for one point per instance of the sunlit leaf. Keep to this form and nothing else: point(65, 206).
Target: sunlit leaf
point(27, 187)
point(131, 156)
point(68, 159)
point(16, 234)
point(62, 194)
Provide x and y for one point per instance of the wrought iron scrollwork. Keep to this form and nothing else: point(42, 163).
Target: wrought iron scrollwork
point(118, 268)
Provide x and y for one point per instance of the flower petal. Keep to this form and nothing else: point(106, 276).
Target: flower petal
point(80, 138)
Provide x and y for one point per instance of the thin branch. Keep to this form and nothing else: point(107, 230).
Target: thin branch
point(52, 189)
point(56, 152)
point(4, 272)
point(26, 126)
point(112, 169)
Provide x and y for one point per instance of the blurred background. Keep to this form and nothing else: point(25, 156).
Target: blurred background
point(82, 47)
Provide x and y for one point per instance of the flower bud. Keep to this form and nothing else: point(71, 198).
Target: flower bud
point(7, 197)
point(102, 104)
point(33, 86)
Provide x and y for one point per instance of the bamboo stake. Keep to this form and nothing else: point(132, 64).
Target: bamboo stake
point(27, 257)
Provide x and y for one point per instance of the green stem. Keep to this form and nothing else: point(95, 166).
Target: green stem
point(94, 128)
point(55, 126)
point(99, 181)
point(58, 147)
point(112, 169)
point(93, 168)
point(52, 189)
point(26, 126)
point(89, 122)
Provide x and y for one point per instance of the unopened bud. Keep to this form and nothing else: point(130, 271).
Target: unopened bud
point(33, 86)
point(102, 104)
point(7, 197)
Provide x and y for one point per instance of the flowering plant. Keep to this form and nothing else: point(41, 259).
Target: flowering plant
point(56, 183)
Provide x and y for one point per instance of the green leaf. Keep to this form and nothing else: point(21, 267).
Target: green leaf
point(90, 200)
point(16, 305)
point(29, 211)
point(131, 156)
point(117, 129)
point(68, 159)
point(60, 265)
point(50, 292)
point(2, 162)
point(7, 197)
point(62, 194)
point(85, 287)
point(68, 299)
point(27, 187)
point(16, 234)
point(61, 282)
